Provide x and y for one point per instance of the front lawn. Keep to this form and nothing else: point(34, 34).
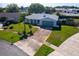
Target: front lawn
point(20, 27)
point(76, 19)
point(44, 51)
point(58, 37)
point(9, 36)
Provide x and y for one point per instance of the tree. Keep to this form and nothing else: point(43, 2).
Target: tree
point(30, 26)
point(49, 10)
point(67, 7)
point(1, 9)
point(22, 17)
point(36, 8)
point(12, 8)
point(22, 8)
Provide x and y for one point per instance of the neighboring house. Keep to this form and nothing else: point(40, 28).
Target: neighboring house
point(10, 16)
point(60, 9)
point(67, 10)
point(45, 20)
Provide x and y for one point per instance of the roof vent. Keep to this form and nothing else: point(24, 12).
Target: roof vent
point(44, 15)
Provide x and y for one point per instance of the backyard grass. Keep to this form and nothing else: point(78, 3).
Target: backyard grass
point(9, 36)
point(58, 37)
point(44, 51)
point(20, 27)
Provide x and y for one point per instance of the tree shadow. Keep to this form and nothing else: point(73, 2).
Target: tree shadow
point(52, 28)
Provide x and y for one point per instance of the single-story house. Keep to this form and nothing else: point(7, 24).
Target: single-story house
point(10, 16)
point(45, 20)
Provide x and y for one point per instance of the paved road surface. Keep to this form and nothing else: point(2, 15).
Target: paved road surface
point(10, 50)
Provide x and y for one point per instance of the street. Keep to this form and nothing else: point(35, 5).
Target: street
point(10, 50)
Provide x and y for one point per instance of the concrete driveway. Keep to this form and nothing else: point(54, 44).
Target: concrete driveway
point(33, 43)
point(10, 50)
point(69, 48)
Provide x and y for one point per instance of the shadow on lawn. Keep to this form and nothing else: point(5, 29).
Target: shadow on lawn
point(53, 28)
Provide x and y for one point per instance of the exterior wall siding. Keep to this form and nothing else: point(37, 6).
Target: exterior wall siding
point(33, 21)
point(40, 22)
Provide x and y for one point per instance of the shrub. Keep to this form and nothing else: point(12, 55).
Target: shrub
point(21, 37)
point(69, 22)
point(5, 27)
point(6, 23)
point(11, 27)
point(2, 19)
point(56, 28)
point(31, 33)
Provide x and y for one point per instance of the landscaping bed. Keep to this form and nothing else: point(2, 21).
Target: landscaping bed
point(20, 28)
point(44, 51)
point(57, 37)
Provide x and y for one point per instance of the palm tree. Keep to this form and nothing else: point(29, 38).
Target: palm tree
point(30, 26)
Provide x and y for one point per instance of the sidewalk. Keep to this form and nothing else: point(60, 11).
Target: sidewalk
point(51, 45)
point(1, 29)
point(69, 48)
point(33, 43)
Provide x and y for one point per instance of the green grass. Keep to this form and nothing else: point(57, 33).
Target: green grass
point(76, 20)
point(12, 37)
point(58, 37)
point(44, 51)
point(9, 36)
point(20, 27)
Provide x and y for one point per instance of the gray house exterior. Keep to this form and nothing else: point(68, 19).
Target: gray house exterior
point(45, 20)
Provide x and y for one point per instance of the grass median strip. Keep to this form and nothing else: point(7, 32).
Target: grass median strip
point(44, 51)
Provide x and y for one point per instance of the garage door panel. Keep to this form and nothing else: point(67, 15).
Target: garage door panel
point(47, 23)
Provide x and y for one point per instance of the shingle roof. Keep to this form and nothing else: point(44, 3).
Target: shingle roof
point(41, 16)
point(10, 15)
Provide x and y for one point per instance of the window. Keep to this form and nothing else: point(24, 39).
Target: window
point(31, 21)
point(34, 21)
point(38, 21)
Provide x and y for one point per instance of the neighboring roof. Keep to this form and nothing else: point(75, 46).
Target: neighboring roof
point(10, 15)
point(42, 16)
